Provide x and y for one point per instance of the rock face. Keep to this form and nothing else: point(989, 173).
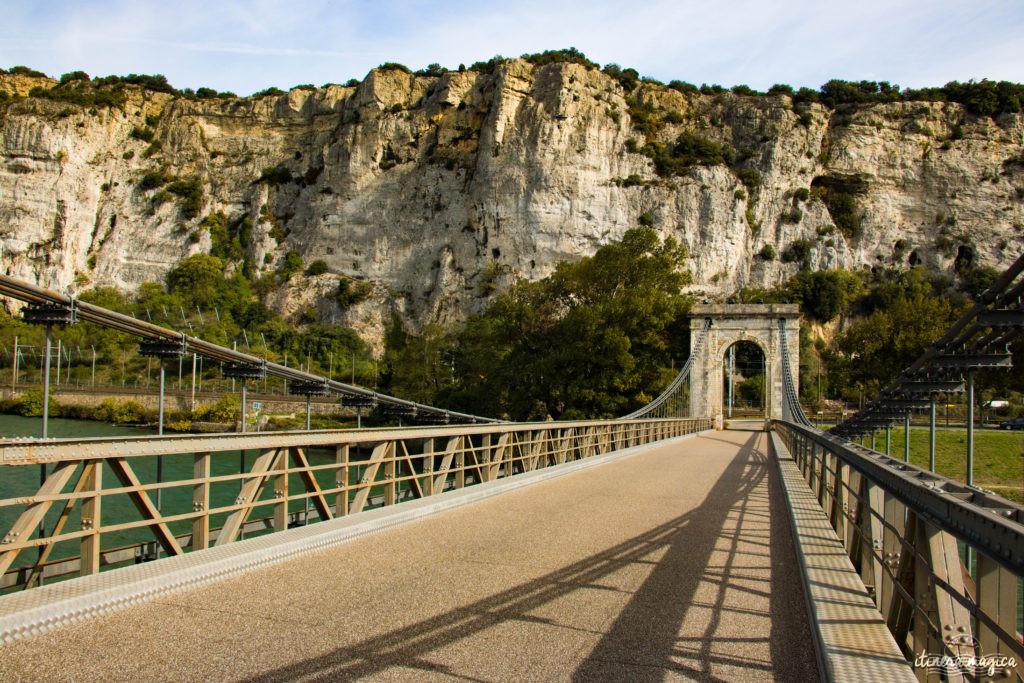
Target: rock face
point(440, 190)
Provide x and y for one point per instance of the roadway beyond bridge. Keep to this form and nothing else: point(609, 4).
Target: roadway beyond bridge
point(675, 562)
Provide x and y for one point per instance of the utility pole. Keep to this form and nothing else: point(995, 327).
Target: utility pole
point(194, 379)
point(14, 368)
point(970, 428)
point(931, 437)
point(93, 365)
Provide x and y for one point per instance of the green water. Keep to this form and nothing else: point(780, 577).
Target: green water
point(15, 425)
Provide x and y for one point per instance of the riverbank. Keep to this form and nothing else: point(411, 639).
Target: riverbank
point(222, 415)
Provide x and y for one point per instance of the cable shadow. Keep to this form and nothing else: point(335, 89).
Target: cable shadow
point(660, 604)
point(644, 640)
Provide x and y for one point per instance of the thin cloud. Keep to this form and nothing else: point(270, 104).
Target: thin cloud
point(233, 48)
point(246, 46)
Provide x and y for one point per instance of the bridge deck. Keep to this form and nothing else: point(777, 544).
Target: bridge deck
point(677, 562)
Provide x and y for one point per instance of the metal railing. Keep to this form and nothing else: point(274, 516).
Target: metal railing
point(215, 489)
point(942, 560)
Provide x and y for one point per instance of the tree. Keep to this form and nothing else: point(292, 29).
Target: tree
point(874, 350)
point(823, 294)
point(593, 339)
point(196, 279)
point(291, 264)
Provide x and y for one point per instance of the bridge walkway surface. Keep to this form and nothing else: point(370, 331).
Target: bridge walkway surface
point(676, 563)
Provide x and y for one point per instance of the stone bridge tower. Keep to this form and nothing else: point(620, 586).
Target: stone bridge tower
point(731, 323)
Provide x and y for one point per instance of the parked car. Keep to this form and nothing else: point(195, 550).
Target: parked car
point(1015, 423)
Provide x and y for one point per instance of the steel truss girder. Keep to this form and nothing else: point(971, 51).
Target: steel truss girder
point(973, 361)
point(433, 419)
point(904, 404)
point(162, 348)
point(866, 426)
point(308, 389)
point(1002, 318)
point(392, 410)
point(359, 401)
point(49, 314)
point(244, 371)
point(883, 415)
point(932, 387)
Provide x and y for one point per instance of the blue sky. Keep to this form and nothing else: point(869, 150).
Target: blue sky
point(248, 46)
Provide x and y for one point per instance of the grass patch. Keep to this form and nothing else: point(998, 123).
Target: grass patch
point(998, 456)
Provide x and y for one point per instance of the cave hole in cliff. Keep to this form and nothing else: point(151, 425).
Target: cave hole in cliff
point(743, 370)
point(913, 259)
point(964, 258)
point(496, 253)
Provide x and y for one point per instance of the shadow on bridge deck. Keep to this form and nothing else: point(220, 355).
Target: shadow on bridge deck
point(677, 562)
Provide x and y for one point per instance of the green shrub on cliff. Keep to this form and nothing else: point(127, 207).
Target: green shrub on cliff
point(569, 55)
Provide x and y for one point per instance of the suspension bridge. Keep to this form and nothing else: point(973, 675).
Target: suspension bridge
point(460, 546)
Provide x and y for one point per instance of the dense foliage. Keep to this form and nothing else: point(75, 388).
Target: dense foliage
point(594, 339)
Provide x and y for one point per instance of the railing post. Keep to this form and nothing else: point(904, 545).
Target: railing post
point(838, 513)
point(280, 489)
point(931, 437)
point(460, 464)
point(970, 431)
point(895, 516)
point(341, 480)
point(390, 471)
point(823, 477)
point(90, 546)
point(201, 501)
point(485, 457)
point(997, 597)
point(906, 438)
point(428, 466)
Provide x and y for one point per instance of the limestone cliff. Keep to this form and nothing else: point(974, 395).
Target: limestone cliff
point(438, 190)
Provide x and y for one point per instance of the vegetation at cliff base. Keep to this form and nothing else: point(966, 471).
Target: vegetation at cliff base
point(597, 338)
